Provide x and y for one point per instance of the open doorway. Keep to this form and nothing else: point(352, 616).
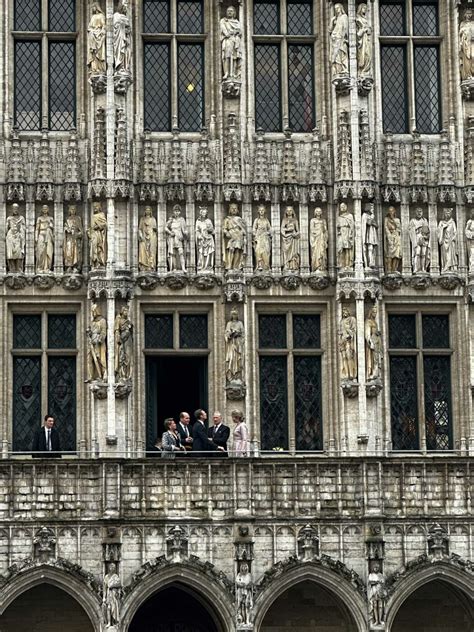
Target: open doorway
point(174, 383)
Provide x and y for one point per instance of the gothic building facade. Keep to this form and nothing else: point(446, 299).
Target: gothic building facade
point(262, 207)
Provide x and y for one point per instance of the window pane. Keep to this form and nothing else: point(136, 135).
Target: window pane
point(62, 15)
point(189, 17)
point(62, 85)
point(193, 331)
point(392, 19)
point(272, 332)
point(159, 331)
point(190, 87)
point(267, 87)
point(425, 18)
point(27, 85)
point(26, 401)
point(435, 331)
point(427, 100)
point(266, 18)
point(299, 18)
point(61, 331)
point(438, 402)
point(394, 89)
point(309, 423)
point(27, 15)
point(307, 332)
point(273, 403)
point(402, 331)
point(27, 332)
point(403, 403)
point(62, 398)
point(157, 87)
point(300, 88)
point(156, 16)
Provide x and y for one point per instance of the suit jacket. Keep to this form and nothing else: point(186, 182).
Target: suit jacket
point(220, 437)
point(170, 442)
point(182, 436)
point(201, 442)
point(39, 447)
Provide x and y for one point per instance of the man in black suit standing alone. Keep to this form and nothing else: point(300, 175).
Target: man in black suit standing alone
point(219, 433)
point(201, 442)
point(46, 442)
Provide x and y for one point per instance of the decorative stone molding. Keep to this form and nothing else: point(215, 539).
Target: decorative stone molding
point(98, 389)
point(177, 544)
point(373, 388)
point(420, 281)
point(123, 389)
point(72, 281)
point(318, 281)
point(467, 89)
point(176, 280)
point(148, 281)
point(98, 83)
point(392, 281)
point(364, 85)
point(290, 281)
point(234, 288)
point(342, 84)
point(44, 544)
point(45, 281)
point(308, 543)
point(449, 281)
point(231, 88)
point(350, 388)
point(438, 543)
point(350, 288)
point(205, 281)
point(262, 281)
point(17, 281)
point(235, 390)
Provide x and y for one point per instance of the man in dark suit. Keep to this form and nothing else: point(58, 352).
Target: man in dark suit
point(201, 442)
point(185, 431)
point(46, 442)
point(219, 433)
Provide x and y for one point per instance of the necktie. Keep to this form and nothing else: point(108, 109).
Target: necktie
point(49, 440)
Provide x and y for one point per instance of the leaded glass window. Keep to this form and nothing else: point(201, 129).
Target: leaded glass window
point(193, 331)
point(176, 331)
point(420, 381)
point(411, 67)
point(159, 331)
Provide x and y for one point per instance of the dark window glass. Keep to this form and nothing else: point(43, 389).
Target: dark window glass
point(62, 85)
point(27, 85)
point(61, 331)
point(308, 418)
point(267, 87)
point(403, 403)
point(156, 16)
point(62, 15)
point(62, 398)
point(193, 331)
point(27, 15)
point(266, 18)
point(306, 332)
point(300, 87)
point(435, 331)
point(157, 86)
point(392, 18)
point(272, 332)
point(402, 331)
point(26, 401)
point(190, 87)
point(394, 95)
point(427, 101)
point(159, 331)
point(425, 18)
point(273, 402)
point(437, 372)
point(26, 332)
point(299, 18)
point(189, 17)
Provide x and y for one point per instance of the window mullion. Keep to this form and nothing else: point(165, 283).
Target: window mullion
point(411, 86)
point(44, 363)
point(45, 81)
point(284, 82)
point(174, 82)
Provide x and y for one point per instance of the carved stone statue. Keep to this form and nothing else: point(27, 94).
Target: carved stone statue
point(205, 243)
point(376, 595)
point(469, 232)
point(234, 233)
point(290, 241)
point(147, 241)
point(244, 595)
point(345, 228)
point(392, 241)
point(373, 345)
point(15, 239)
point(262, 240)
point(112, 592)
point(318, 238)
point(370, 239)
point(122, 39)
point(420, 239)
point(231, 45)
point(364, 45)
point(96, 41)
point(72, 244)
point(348, 345)
point(97, 345)
point(466, 46)
point(44, 241)
point(447, 239)
point(123, 338)
point(97, 233)
point(339, 30)
point(234, 347)
point(176, 238)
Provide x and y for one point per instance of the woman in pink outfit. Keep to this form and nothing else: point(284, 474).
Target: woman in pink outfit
point(241, 443)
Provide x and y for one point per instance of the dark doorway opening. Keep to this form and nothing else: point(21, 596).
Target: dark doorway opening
point(174, 609)
point(174, 384)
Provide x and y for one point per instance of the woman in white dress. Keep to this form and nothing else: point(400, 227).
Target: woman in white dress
point(241, 443)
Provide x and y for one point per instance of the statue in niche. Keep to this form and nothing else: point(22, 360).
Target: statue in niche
point(96, 41)
point(234, 233)
point(15, 239)
point(122, 39)
point(231, 45)
point(373, 346)
point(392, 241)
point(466, 46)
point(370, 239)
point(244, 594)
point(72, 244)
point(364, 45)
point(147, 241)
point(447, 239)
point(469, 232)
point(112, 591)
point(290, 241)
point(97, 345)
point(262, 240)
point(234, 347)
point(44, 241)
point(176, 238)
point(318, 238)
point(348, 345)
point(420, 239)
point(97, 233)
point(123, 338)
point(339, 30)
point(205, 243)
point(376, 594)
point(345, 228)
